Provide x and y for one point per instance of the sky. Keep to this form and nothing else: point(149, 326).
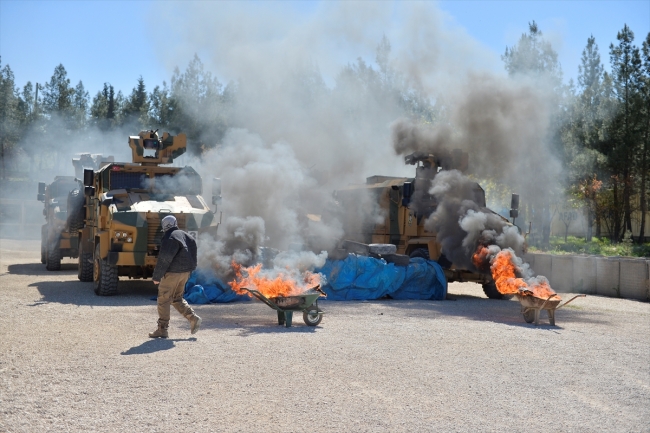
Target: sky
point(119, 41)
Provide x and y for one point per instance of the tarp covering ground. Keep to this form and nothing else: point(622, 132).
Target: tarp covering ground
point(355, 278)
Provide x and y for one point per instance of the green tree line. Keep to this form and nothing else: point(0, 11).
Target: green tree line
point(600, 126)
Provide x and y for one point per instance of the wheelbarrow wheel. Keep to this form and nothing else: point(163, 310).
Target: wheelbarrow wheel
point(529, 315)
point(312, 317)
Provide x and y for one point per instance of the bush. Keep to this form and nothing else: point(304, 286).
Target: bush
point(604, 246)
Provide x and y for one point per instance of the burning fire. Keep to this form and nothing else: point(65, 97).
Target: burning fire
point(284, 284)
point(504, 273)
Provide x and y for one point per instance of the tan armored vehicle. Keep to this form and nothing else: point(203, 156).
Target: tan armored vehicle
point(125, 203)
point(392, 210)
point(59, 235)
point(64, 213)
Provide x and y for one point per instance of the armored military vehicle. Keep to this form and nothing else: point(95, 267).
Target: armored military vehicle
point(392, 210)
point(124, 206)
point(59, 238)
point(64, 212)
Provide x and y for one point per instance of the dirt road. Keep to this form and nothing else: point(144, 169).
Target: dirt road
point(73, 361)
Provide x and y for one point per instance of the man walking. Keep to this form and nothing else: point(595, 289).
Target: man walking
point(176, 260)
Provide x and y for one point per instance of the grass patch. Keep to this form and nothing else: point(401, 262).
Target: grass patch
point(605, 247)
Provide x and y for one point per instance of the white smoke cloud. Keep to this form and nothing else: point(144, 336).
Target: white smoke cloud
point(298, 138)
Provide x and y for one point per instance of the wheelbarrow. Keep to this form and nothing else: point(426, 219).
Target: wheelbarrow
point(531, 306)
point(286, 305)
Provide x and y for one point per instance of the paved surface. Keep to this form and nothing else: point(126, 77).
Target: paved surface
point(73, 361)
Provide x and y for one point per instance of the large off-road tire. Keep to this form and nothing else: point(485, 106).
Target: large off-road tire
point(76, 212)
point(105, 276)
point(85, 272)
point(53, 254)
point(421, 253)
point(490, 290)
point(43, 243)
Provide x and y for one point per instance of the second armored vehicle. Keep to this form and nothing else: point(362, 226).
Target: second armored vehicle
point(393, 210)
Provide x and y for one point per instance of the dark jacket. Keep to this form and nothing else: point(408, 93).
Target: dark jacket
point(177, 253)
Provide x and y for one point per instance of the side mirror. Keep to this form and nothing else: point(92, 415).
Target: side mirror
point(89, 190)
point(40, 197)
point(407, 190)
point(514, 206)
point(89, 176)
point(41, 188)
point(216, 190)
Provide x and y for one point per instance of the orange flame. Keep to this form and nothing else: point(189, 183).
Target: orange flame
point(480, 258)
point(504, 273)
point(283, 284)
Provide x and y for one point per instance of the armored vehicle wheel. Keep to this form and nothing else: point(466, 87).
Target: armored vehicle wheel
point(53, 255)
point(104, 276)
point(43, 243)
point(75, 211)
point(420, 252)
point(85, 273)
point(311, 316)
point(490, 290)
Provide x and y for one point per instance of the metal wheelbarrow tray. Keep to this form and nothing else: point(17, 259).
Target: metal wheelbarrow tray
point(286, 305)
point(531, 306)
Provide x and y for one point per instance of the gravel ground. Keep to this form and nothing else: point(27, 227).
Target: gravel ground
point(73, 361)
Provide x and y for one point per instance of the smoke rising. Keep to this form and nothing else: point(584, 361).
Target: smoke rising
point(462, 224)
point(314, 106)
point(309, 121)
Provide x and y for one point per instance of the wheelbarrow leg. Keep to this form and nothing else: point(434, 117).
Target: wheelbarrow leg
point(537, 310)
point(280, 317)
point(551, 317)
point(288, 315)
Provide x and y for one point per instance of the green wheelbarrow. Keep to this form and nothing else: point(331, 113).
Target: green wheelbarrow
point(286, 305)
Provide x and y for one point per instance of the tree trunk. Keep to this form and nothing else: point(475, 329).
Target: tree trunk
point(616, 224)
point(644, 178)
point(590, 219)
point(627, 209)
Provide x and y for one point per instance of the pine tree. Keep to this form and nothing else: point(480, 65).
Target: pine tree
point(9, 115)
point(644, 163)
point(624, 141)
point(534, 57)
point(136, 107)
point(80, 106)
point(162, 108)
point(198, 106)
point(102, 110)
point(582, 136)
point(57, 94)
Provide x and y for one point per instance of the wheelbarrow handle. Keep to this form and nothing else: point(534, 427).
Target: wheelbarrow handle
point(548, 299)
point(262, 298)
point(576, 296)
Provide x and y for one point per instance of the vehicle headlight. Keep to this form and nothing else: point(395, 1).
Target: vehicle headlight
point(129, 239)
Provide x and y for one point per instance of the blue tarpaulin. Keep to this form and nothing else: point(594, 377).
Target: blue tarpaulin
point(204, 287)
point(354, 278)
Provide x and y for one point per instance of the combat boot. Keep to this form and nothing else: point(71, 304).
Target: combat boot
point(195, 323)
point(161, 332)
